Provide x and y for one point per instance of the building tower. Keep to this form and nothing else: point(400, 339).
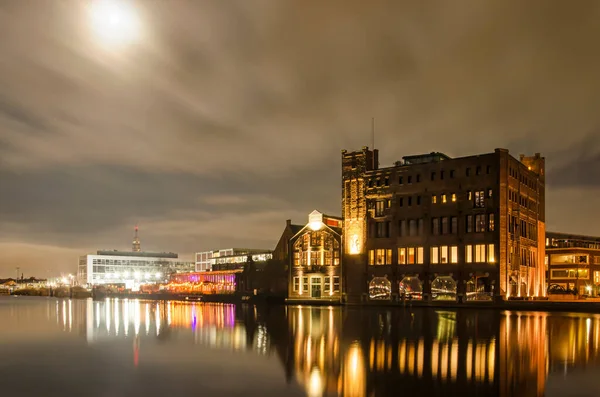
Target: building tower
point(354, 213)
point(136, 246)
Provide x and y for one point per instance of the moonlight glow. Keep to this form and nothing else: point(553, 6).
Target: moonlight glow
point(114, 21)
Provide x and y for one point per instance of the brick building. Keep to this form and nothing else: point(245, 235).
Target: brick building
point(316, 252)
point(435, 227)
point(573, 263)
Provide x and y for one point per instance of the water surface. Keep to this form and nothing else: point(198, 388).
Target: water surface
point(62, 347)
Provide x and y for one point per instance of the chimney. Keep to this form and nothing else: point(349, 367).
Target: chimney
point(288, 222)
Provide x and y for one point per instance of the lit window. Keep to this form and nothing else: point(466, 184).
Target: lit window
point(444, 254)
point(388, 257)
point(480, 199)
point(470, 195)
point(454, 254)
point(454, 197)
point(411, 256)
point(491, 225)
point(434, 199)
point(328, 284)
point(336, 284)
point(371, 257)
point(480, 253)
point(435, 255)
point(420, 255)
point(468, 253)
point(444, 198)
point(491, 254)
point(401, 256)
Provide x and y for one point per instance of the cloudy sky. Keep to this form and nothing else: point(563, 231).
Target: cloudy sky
point(219, 120)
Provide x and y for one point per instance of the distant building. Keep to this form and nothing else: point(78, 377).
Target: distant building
point(443, 228)
point(573, 263)
point(230, 258)
point(129, 268)
point(315, 252)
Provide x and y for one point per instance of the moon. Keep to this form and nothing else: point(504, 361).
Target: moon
point(114, 21)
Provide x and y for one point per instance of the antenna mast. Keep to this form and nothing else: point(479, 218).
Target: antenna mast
point(373, 139)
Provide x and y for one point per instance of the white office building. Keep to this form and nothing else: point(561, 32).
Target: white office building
point(129, 268)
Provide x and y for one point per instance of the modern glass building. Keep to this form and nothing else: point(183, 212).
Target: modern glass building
point(229, 258)
point(129, 268)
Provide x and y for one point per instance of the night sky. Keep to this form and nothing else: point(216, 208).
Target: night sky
point(222, 119)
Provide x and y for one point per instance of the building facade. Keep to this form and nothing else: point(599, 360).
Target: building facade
point(129, 268)
point(573, 263)
point(443, 228)
point(315, 254)
point(229, 258)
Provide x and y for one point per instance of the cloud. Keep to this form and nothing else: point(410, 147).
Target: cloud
point(235, 109)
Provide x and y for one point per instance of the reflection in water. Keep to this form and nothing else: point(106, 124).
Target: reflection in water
point(351, 352)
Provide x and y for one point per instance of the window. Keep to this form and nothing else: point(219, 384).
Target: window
point(420, 227)
point(454, 197)
point(442, 175)
point(480, 199)
point(478, 170)
point(491, 225)
point(453, 225)
point(401, 256)
point(336, 283)
point(420, 251)
point(433, 199)
point(468, 253)
point(401, 180)
point(444, 199)
point(596, 277)
point(435, 251)
point(435, 226)
point(304, 283)
point(479, 223)
point(371, 257)
point(445, 226)
point(412, 227)
point(570, 273)
point(468, 172)
point(296, 286)
point(469, 195)
point(418, 200)
point(433, 176)
point(328, 284)
point(379, 207)
point(418, 178)
point(410, 201)
point(469, 223)
point(380, 257)
point(454, 254)
point(383, 230)
point(411, 256)
point(388, 257)
point(402, 228)
point(491, 254)
point(401, 202)
point(386, 181)
point(489, 193)
point(480, 253)
point(488, 169)
point(559, 274)
point(409, 179)
point(444, 254)
point(451, 174)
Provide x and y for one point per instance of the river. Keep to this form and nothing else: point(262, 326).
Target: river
point(62, 347)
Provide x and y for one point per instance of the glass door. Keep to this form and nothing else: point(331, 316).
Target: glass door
point(315, 287)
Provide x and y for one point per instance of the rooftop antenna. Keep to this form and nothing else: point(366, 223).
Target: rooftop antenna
point(136, 241)
point(373, 138)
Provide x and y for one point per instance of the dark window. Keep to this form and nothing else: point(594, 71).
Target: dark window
point(479, 223)
point(378, 182)
point(386, 181)
point(445, 226)
point(441, 174)
point(469, 224)
point(402, 228)
point(488, 169)
point(433, 176)
point(418, 200)
point(370, 182)
point(412, 227)
point(383, 230)
point(401, 201)
point(453, 225)
point(409, 201)
point(435, 226)
point(401, 180)
point(418, 178)
point(478, 170)
point(468, 172)
point(451, 174)
point(420, 227)
point(410, 179)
